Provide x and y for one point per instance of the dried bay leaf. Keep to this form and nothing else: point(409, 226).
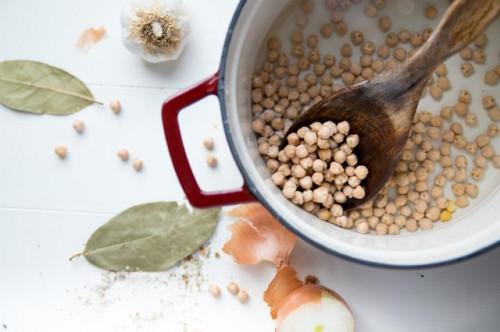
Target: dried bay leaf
point(150, 237)
point(35, 87)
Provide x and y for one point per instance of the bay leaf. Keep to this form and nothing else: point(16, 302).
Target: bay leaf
point(150, 237)
point(35, 87)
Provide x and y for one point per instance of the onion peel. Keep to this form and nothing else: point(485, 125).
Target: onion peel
point(90, 37)
point(257, 236)
point(283, 284)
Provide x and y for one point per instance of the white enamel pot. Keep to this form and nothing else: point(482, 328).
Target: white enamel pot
point(472, 230)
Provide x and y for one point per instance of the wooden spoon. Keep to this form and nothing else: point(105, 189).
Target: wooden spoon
point(381, 111)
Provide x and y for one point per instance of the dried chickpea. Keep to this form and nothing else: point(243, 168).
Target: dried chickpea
point(79, 126)
point(467, 69)
point(384, 23)
point(341, 28)
point(444, 83)
point(346, 50)
point(61, 151)
point(479, 56)
point(370, 10)
point(115, 106)
point(441, 70)
point(383, 51)
point(493, 130)
point(425, 224)
point(357, 38)
point(399, 54)
point(436, 92)
point(491, 77)
point(391, 39)
point(326, 30)
point(461, 109)
point(431, 12)
point(137, 164)
point(123, 154)
point(494, 114)
point(416, 39)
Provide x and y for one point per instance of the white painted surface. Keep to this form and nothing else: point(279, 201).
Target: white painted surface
point(49, 208)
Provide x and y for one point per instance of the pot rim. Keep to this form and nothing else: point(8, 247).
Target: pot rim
point(262, 200)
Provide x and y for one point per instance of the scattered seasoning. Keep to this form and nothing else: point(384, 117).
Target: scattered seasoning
point(61, 151)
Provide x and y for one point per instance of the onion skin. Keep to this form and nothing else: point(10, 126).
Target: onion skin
point(257, 236)
point(286, 294)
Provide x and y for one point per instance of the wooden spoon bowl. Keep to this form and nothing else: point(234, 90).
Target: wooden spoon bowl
point(381, 111)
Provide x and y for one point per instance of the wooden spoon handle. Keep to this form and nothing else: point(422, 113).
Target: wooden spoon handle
point(462, 22)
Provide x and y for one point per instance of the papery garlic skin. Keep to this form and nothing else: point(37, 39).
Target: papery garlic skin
point(129, 19)
point(329, 315)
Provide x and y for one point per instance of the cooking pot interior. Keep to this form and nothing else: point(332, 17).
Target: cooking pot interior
point(472, 229)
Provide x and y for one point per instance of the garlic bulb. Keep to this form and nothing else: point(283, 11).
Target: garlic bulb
point(155, 30)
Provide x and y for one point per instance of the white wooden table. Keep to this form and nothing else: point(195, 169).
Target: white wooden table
point(48, 208)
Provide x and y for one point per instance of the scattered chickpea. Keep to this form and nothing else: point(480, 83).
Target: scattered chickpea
point(115, 106)
point(61, 151)
point(138, 165)
point(123, 154)
point(214, 290)
point(242, 296)
point(208, 143)
point(233, 288)
point(79, 126)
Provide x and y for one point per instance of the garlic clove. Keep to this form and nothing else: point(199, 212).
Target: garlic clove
point(258, 237)
point(155, 30)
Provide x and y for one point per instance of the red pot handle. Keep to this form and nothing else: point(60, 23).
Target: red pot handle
point(170, 111)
